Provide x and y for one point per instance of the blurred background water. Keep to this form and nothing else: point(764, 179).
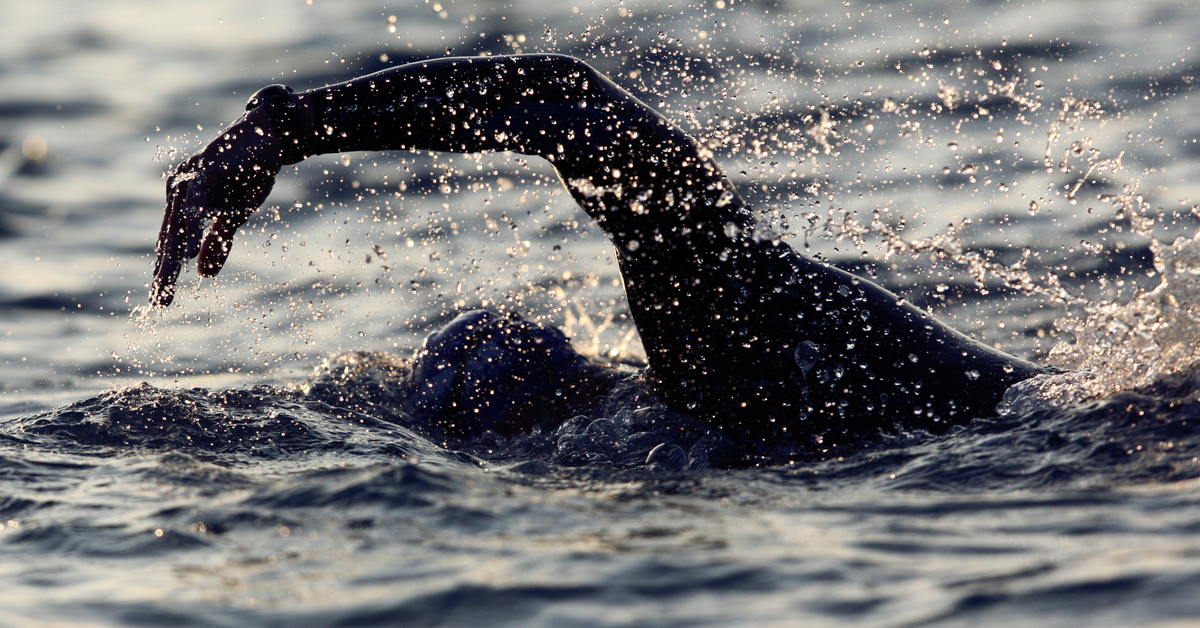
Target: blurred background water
point(1018, 148)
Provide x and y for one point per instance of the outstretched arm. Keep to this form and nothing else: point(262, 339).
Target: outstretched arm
point(631, 169)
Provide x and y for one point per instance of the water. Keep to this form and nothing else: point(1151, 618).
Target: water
point(232, 461)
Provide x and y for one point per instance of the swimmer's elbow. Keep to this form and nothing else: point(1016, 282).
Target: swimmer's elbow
point(551, 59)
point(577, 71)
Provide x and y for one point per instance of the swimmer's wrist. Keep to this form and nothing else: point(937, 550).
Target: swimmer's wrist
point(289, 117)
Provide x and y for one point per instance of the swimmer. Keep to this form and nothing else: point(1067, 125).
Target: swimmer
point(739, 329)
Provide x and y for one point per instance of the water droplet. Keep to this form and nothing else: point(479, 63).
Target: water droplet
point(600, 428)
point(806, 356)
point(666, 457)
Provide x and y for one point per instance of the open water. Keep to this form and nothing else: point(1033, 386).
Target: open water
point(1026, 170)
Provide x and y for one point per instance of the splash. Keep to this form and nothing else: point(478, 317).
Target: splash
point(600, 337)
point(1129, 345)
point(1119, 343)
point(1125, 345)
point(146, 317)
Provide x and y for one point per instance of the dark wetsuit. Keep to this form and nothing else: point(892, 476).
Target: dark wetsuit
point(743, 331)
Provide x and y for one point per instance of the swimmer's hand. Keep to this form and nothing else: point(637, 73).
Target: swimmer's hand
point(223, 183)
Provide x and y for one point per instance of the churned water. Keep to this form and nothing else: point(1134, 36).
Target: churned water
point(1026, 170)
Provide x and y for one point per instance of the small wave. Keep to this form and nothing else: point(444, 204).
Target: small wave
point(1044, 438)
point(255, 424)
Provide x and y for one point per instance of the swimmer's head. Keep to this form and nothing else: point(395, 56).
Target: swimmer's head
point(485, 372)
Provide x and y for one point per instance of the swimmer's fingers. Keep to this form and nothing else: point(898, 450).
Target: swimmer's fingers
point(219, 242)
point(179, 237)
point(240, 196)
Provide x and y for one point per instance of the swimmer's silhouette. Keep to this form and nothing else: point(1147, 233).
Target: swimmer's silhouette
point(740, 330)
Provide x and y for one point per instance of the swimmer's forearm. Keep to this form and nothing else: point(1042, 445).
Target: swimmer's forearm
point(551, 106)
point(466, 105)
point(454, 105)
